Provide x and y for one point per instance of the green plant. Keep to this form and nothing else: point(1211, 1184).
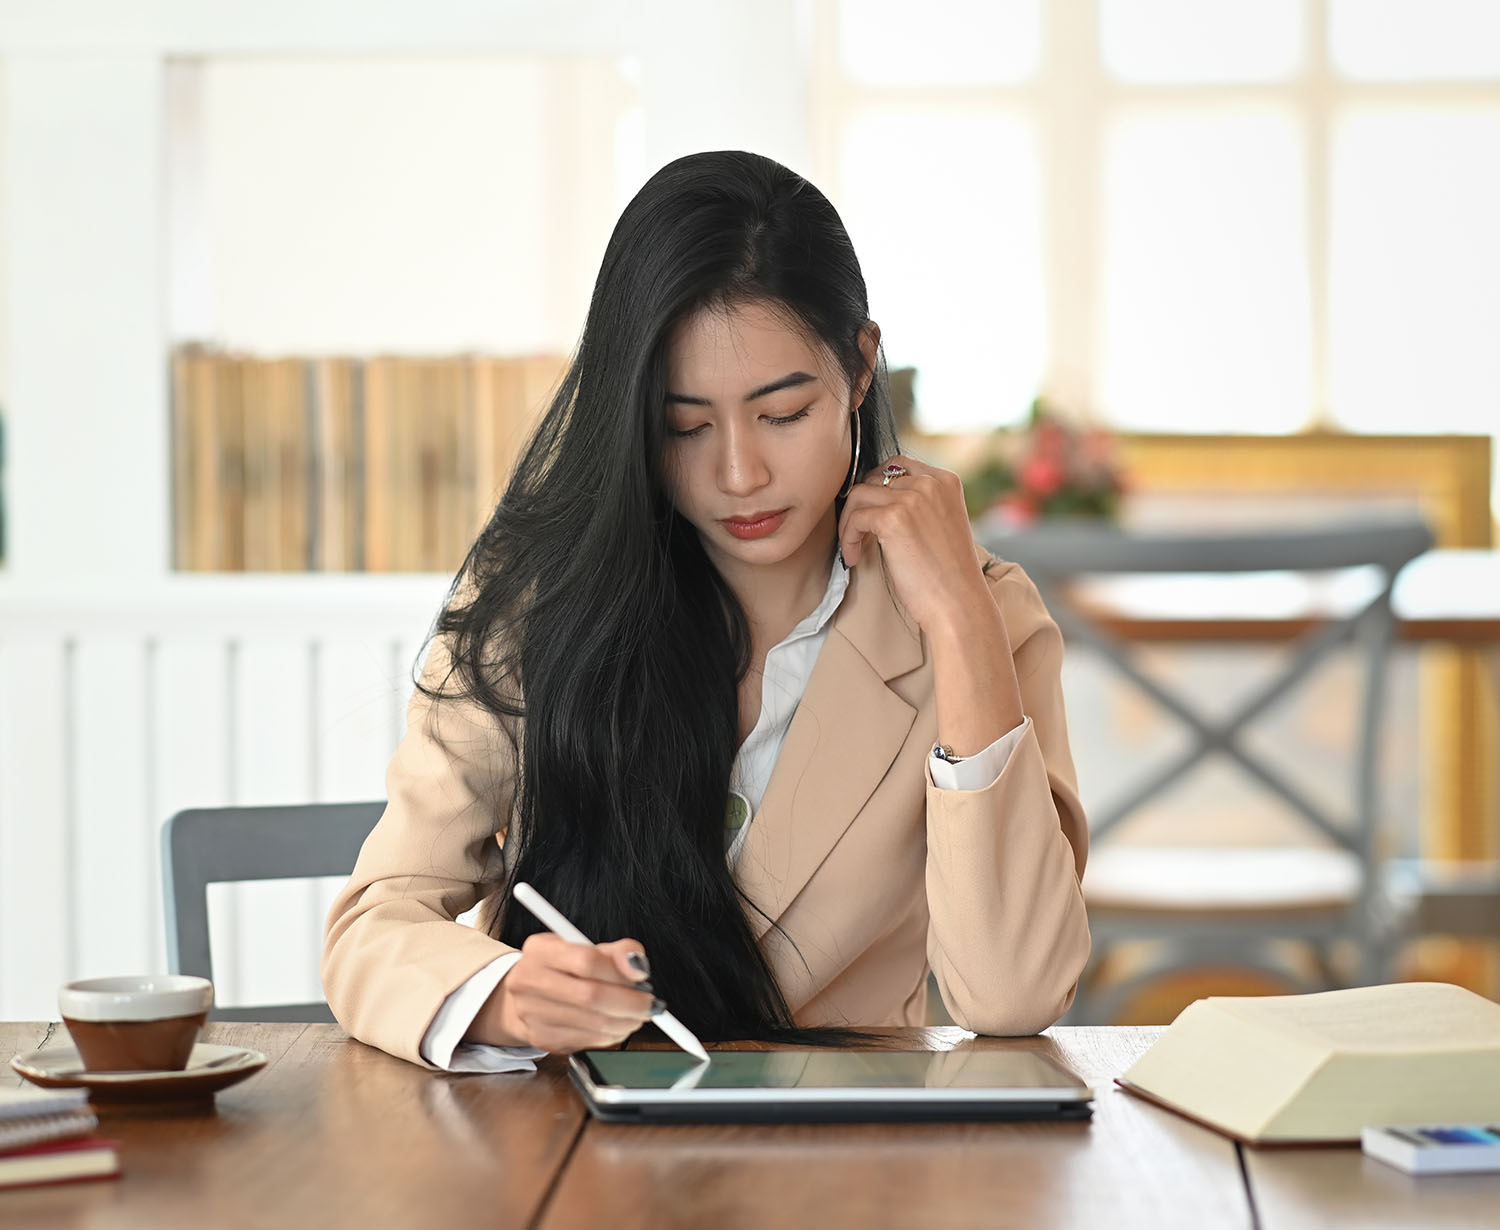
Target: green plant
point(1047, 468)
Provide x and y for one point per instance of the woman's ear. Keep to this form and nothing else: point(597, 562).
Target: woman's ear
point(869, 346)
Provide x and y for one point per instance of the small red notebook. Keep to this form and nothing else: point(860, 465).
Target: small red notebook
point(61, 1161)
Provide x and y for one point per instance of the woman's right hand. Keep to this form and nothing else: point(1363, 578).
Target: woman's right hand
point(565, 997)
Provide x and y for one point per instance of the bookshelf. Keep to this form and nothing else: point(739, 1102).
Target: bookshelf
point(343, 464)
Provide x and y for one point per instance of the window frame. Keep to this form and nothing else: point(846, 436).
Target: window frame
point(1071, 101)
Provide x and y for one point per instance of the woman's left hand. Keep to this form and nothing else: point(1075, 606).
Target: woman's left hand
point(922, 526)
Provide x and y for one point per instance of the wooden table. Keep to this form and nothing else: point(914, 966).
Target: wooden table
point(1446, 597)
point(333, 1133)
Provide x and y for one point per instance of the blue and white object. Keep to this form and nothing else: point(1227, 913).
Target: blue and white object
point(1436, 1149)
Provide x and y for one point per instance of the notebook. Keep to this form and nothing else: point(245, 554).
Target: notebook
point(61, 1161)
point(32, 1116)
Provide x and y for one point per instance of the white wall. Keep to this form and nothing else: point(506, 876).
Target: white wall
point(116, 712)
point(418, 205)
point(149, 154)
point(81, 308)
point(142, 202)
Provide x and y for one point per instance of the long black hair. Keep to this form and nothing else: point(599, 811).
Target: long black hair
point(591, 612)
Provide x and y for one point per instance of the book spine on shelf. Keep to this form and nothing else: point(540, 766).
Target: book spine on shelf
point(330, 464)
point(229, 388)
point(509, 415)
point(336, 475)
point(184, 477)
point(205, 513)
point(451, 523)
point(464, 524)
point(288, 513)
point(257, 448)
point(327, 454)
point(354, 472)
point(379, 434)
point(312, 478)
point(427, 417)
point(479, 396)
point(406, 471)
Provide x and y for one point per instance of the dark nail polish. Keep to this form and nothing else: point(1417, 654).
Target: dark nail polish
point(637, 961)
point(657, 1006)
point(645, 985)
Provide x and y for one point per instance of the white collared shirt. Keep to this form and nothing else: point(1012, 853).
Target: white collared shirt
point(788, 666)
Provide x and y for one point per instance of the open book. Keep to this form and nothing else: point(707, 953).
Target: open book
point(1299, 1068)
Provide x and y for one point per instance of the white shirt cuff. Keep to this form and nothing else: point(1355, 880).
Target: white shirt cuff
point(981, 770)
point(443, 1045)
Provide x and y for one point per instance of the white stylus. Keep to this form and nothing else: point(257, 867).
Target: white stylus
point(552, 919)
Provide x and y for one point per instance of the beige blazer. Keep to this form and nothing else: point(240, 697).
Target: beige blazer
point(872, 872)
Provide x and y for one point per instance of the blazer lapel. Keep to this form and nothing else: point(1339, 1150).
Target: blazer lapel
point(847, 730)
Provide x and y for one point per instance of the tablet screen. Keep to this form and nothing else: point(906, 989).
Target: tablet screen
point(831, 1069)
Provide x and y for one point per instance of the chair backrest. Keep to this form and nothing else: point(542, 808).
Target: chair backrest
point(225, 844)
point(1065, 551)
point(1055, 555)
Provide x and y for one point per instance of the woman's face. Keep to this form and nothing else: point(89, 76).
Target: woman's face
point(759, 433)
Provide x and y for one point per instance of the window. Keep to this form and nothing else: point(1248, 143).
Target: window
point(1210, 215)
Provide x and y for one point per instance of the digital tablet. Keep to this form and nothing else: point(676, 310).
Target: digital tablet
point(828, 1085)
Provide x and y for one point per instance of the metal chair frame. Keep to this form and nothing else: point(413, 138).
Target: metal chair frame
point(1055, 556)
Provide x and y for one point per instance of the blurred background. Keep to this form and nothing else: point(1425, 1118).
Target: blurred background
point(282, 286)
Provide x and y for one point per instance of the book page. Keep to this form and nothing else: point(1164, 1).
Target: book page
point(1412, 1016)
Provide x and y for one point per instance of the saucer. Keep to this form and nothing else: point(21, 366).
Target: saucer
point(209, 1069)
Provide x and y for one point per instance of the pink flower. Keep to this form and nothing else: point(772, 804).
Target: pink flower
point(1042, 475)
point(1051, 439)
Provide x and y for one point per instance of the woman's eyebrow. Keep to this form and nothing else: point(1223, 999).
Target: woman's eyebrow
point(786, 382)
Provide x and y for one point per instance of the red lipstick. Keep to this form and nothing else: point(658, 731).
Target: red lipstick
point(758, 525)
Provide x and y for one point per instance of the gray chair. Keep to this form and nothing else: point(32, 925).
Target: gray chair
point(1208, 905)
point(225, 844)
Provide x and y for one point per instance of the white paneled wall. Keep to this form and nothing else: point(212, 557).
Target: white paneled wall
point(116, 712)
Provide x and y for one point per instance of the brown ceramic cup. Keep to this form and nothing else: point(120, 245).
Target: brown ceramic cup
point(136, 1023)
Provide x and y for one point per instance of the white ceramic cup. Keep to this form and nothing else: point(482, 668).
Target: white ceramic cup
point(138, 1022)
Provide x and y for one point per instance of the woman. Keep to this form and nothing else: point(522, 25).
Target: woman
point(726, 676)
